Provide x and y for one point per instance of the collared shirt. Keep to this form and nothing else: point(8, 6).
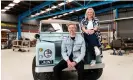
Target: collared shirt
point(78, 48)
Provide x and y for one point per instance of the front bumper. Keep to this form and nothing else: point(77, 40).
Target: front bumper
point(50, 68)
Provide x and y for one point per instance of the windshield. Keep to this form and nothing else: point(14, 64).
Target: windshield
point(56, 27)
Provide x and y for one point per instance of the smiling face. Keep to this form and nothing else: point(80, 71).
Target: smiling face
point(72, 28)
point(90, 13)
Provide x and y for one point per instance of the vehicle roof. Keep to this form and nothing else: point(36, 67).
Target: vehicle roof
point(59, 21)
point(5, 30)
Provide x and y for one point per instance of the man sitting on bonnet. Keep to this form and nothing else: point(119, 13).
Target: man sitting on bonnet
point(73, 52)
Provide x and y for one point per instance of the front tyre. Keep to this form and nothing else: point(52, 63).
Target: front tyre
point(40, 76)
point(36, 76)
point(93, 74)
point(47, 76)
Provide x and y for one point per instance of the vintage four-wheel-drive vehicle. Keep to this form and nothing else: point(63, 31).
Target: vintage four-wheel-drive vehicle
point(48, 51)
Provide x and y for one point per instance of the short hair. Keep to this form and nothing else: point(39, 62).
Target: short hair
point(70, 24)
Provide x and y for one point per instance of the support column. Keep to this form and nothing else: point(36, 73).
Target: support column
point(116, 15)
point(19, 28)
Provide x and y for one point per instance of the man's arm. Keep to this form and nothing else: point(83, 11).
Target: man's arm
point(65, 56)
point(83, 49)
point(64, 51)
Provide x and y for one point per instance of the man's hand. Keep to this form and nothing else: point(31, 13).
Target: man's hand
point(69, 64)
point(74, 64)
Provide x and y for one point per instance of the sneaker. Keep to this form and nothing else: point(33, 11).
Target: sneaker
point(97, 51)
point(93, 62)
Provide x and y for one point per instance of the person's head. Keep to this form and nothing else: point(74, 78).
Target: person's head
point(72, 28)
point(90, 13)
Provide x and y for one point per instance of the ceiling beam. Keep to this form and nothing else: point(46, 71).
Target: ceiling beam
point(73, 9)
point(112, 8)
point(27, 13)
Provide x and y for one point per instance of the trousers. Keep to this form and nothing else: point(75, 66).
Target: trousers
point(63, 64)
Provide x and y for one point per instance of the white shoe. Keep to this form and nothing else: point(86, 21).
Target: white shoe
point(93, 62)
point(97, 51)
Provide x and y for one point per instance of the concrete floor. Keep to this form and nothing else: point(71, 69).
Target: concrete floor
point(17, 66)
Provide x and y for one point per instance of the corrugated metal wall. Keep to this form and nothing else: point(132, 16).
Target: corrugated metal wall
point(8, 18)
point(125, 28)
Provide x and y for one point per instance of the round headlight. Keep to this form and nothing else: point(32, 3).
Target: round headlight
point(48, 53)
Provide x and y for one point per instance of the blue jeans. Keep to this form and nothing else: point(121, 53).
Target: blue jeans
point(92, 40)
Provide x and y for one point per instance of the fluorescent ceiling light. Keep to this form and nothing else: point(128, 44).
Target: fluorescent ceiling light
point(3, 10)
point(55, 17)
point(48, 9)
point(42, 12)
point(53, 7)
point(16, 1)
point(69, 0)
point(37, 14)
point(60, 15)
point(65, 14)
point(7, 7)
point(32, 15)
point(61, 4)
point(11, 4)
point(78, 9)
point(71, 12)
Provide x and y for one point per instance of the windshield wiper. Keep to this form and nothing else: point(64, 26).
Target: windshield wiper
point(51, 41)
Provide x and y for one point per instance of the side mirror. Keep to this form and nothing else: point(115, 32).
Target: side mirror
point(37, 36)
